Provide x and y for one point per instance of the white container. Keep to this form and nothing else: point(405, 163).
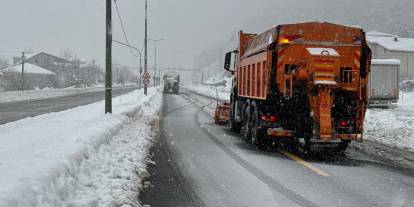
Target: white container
point(383, 83)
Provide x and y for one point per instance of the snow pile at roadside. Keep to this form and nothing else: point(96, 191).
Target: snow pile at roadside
point(78, 157)
point(211, 90)
point(394, 126)
point(12, 96)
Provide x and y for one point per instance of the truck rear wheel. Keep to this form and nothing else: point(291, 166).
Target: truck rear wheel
point(234, 126)
point(246, 130)
point(257, 136)
point(342, 147)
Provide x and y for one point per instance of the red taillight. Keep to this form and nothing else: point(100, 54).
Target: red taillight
point(272, 119)
point(343, 124)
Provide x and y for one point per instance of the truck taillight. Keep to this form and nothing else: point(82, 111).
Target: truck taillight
point(343, 123)
point(272, 119)
point(269, 118)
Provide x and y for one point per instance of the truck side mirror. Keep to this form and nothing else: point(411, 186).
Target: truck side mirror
point(228, 61)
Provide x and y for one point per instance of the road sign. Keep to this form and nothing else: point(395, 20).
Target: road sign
point(147, 78)
point(146, 75)
point(146, 81)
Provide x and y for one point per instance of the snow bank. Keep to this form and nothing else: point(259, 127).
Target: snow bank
point(209, 87)
point(73, 158)
point(393, 126)
point(212, 91)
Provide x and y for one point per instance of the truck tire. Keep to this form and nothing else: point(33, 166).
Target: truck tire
point(246, 130)
point(257, 136)
point(234, 126)
point(342, 147)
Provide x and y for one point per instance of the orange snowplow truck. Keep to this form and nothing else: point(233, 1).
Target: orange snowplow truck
point(305, 82)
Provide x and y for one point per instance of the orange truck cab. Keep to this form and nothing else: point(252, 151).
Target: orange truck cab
point(305, 81)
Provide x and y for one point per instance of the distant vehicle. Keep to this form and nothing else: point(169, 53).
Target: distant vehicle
point(383, 84)
point(171, 82)
point(303, 82)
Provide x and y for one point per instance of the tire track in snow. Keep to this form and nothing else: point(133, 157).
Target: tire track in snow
point(291, 195)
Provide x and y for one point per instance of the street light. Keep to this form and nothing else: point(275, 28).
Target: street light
point(140, 55)
point(155, 65)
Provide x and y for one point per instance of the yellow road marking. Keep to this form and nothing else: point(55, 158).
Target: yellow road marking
point(305, 164)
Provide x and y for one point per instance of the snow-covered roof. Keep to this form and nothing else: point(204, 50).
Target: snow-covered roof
point(386, 62)
point(393, 43)
point(379, 34)
point(29, 69)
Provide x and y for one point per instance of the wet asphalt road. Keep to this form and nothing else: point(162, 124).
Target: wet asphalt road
point(200, 164)
point(14, 111)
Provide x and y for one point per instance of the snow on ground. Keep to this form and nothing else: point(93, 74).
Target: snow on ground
point(208, 88)
point(12, 96)
point(78, 157)
point(393, 127)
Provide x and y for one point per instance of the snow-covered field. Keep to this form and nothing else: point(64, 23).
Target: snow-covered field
point(393, 127)
point(12, 96)
point(78, 157)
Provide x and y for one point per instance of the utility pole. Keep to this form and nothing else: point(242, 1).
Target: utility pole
point(220, 62)
point(159, 77)
point(140, 71)
point(146, 45)
point(155, 63)
point(22, 78)
point(108, 74)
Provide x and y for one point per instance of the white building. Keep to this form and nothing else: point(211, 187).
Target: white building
point(34, 77)
point(388, 46)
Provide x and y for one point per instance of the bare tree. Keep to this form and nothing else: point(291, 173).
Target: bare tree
point(4, 62)
point(67, 54)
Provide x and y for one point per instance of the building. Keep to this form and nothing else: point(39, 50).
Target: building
point(388, 46)
point(35, 77)
point(67, 71)
point(42, 59)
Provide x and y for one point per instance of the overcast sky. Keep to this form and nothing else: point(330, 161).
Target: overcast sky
point(188, 26)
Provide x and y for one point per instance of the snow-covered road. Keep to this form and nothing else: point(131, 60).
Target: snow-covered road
point(13, 111)
point(78, 157)
point(13, 96)
point(208, 165)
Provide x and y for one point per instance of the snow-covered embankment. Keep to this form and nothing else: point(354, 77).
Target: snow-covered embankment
point(78, 157)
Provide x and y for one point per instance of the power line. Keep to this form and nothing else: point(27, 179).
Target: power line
point(123, 29)
point(127, 45)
